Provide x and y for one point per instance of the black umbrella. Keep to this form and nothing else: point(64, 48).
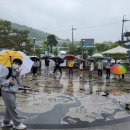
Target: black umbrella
point(107, 58)
point(45, 57)
point(90, 59)
point(99, 58)
point(34, 58)
point(59, 59)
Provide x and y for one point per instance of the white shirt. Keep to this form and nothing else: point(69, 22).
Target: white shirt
point(100, 65)
point(92, 67)
point(81, 66)
point(108, 65)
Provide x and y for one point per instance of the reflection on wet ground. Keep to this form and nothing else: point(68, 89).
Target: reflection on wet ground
point(62, 101)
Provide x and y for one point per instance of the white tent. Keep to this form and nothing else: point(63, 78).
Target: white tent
point(116, 50)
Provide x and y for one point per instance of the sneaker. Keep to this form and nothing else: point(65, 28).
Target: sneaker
point(3, 125)
point(20, 127)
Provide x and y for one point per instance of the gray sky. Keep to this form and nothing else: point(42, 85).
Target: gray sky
point(98, 19)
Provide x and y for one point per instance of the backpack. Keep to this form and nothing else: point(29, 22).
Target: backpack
point(10, 73)
point(7, 77)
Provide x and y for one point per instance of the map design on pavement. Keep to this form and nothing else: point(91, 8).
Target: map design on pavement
point(68, 103)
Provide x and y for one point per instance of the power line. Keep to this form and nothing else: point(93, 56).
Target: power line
point(90, 27)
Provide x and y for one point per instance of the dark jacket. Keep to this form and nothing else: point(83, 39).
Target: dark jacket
point(47, 62)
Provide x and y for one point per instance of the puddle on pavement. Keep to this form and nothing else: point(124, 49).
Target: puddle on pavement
point(45, 92)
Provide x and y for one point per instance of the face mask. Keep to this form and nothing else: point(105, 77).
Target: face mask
point(15, 66)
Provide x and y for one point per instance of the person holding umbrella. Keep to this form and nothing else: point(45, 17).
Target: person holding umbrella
point(108, 66)
point(91, 68)
point(70, 66)
point(119, 69)
point(47, 61)
point(35, 68)
point(9, 88)
point(57, 66)
point(100, 68)
point(81, 67)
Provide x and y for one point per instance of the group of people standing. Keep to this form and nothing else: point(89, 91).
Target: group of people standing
point(70, 64)
point(107, 67)
point(57, 66)
point(108, 71)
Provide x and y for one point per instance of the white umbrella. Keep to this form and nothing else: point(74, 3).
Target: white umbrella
point(26, 65)
point(7, 56)
point(97, 55)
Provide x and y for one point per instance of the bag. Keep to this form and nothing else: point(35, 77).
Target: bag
point(7, 77)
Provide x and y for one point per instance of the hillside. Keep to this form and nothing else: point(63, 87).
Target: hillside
point(39, 35)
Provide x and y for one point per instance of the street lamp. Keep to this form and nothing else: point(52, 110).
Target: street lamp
point(34, 47)
point(82, 41)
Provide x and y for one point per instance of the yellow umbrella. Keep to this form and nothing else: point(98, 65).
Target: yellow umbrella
point(7, 57)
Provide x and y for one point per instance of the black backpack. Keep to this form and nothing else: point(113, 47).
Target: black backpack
point(8, 76)
point(10, 73)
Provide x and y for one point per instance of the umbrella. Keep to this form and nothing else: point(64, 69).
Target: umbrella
point(107, 58)
point(90, 59)
point(34, 58)
point(7, 57)
point(59, 59)
point(69, 57)
point(118, 69)
point(97, 55)
point(45, 57)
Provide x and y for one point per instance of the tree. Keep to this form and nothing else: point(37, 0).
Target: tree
point(21, 41)
point(11, 38)
point(90, 50)
point(102, 47)
point(5, 31)
point(72, 49)
point(51, 41)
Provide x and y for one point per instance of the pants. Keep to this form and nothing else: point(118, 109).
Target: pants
point(34, 70)
point(46, 69)
point(57, 68)
point(99, 72)
point(107, 72)
point(70, 70)
point(10, 112)
point(90, 74)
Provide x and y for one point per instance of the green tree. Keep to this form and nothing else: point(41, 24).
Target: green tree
point(21, 41)
point(90, 50)
point(11, 38)
point(102, 47)
point(51, 41)
point(72, 49)
point(5, 34)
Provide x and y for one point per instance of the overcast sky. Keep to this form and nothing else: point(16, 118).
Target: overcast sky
point(98, 19)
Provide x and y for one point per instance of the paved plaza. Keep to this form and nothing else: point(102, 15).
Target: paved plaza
point(63, 101)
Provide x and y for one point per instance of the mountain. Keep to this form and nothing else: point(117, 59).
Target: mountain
point(33, 33)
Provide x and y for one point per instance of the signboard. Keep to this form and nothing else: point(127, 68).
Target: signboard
point(87, 42)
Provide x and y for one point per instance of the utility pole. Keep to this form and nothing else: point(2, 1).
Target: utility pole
point(73, 35)
point(122, 33)
point(34, 47)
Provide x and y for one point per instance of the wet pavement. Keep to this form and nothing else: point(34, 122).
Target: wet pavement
point(63, 101)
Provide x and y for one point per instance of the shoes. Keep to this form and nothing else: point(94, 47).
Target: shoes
point(3, 125)
point(20, 127)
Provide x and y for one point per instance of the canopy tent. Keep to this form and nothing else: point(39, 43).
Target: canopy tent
point(116, 50)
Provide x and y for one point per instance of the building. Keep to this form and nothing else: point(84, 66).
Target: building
point(87, 43)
